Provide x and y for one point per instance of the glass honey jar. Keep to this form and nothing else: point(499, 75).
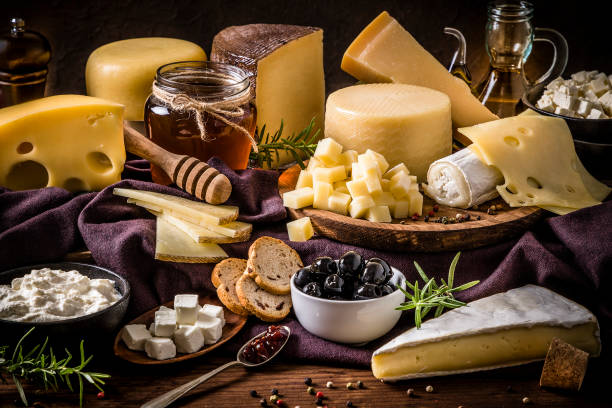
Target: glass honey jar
point(201, 109)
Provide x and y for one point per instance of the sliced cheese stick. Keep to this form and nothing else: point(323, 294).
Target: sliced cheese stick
point(462, 180)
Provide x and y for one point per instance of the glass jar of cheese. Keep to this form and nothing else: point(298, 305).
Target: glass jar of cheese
point(201, 109)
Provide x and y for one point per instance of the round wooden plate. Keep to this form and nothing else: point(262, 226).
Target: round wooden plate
point(418, 236)
point(233, 324)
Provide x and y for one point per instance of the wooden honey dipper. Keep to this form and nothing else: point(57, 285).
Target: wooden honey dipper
point(188, 173)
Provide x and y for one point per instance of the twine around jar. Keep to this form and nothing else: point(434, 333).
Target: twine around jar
point(221, 110)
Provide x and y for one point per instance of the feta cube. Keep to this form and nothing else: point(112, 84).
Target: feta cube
point(610, 79)
point(590, 95)
point(328, 151)
point(599, 86)
point(135, 335)
point(564, 101)
point(579, 77)
point(209, 311)
point(606, 102)
point(188, 339)
point(152, 329)
point(596, 114)
point(562, 111)
point(591, 74)
point(160, 348)
point(584, 107)
point(555, 83)
point(165, 323)
point(186, 307)
point(211, 330)
point(568, 90)
point(546, 103)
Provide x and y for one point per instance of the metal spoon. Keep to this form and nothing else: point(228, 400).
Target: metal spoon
point(168, 398)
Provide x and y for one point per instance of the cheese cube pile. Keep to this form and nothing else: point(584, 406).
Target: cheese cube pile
point(359, 185)
point(184, 329)
point(586, 95)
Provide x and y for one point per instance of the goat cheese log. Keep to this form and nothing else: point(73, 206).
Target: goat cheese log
point(462, 180)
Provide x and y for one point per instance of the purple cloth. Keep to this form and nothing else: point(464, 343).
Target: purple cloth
point(571, 254)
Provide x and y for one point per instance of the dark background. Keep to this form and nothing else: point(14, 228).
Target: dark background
point(75, 28)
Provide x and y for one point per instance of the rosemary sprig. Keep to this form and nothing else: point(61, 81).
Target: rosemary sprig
point(433, 295)
point(301, 145)
point(38, 366)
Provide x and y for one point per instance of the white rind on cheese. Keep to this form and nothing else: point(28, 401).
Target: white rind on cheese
point(526, 307)
point(462, 180)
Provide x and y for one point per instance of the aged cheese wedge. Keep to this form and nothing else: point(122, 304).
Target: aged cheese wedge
point(502, 330)
point(536, 156)
point(288, 63)
point(69, 141)
point(196, 211)
point(202, 234)
point(123, 71)
point(172, 244)
point(403, 123)
point(385, 52)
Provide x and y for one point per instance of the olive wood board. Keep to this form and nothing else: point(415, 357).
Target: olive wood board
point(233, 324)
point(418, 236)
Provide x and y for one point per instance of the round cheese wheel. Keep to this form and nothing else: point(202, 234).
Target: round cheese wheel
point(123, 71)
point(405, 123)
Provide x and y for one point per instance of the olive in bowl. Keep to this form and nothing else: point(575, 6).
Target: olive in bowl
point(346, 309)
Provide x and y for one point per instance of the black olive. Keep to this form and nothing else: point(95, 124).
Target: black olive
point(324, 264)
point(351, 264)
point(303, 277)
point(333, 285)
point(385, 264)
point(313, 289)
point(367, 291)
point(386, 289)
point(374, 272)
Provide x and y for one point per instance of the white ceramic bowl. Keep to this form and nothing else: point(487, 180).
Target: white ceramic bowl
point(349, 321)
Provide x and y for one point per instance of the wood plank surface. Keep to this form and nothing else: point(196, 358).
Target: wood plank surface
point(408, 235)
point(132, 385)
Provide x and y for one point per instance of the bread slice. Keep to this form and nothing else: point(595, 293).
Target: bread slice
point(224, 277)
point(264, 305)
point(272, 263)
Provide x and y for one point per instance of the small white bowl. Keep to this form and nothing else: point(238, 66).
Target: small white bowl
point(349, 321)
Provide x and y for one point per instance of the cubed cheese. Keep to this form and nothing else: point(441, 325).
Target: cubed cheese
point(599, 85)
point(188, 339)
point(211, 330)
point(385, 184)
point(135, 335)
point(328, 151)
point(357, 188)
point(329, 174)
point(360, 205)
point(186, 307)
point(300, 230)
point(396, 169)
point(356, 171)
point(339, 202)
point(565, 101)
point(368, 166)
point(382, 163)
point(300, 198)
point(579, 77)
point(385, 198)
point(348, 158)
point(416, 203)
point(606, 102)
point(401, 209)
point(165, 323)
point(152, 329)
point(209, 311)
point(400, 185)
point(378, 213)
point(322, 191)
point(340, 186)
point(304, 179)
point(373, 184)
point(160, 348)
point(313, 163)
point(596, 114)
point(584, 107)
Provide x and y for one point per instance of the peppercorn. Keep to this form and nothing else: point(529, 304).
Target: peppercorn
point(308, 381)
point(280, 402)
point(426, 219)
point(359, 384)
point(350, 386)
point(429, 388)
point(491, 212)
point(319, 395)
point(100, 395)
point(273, 398)
point(444, 220)
point(526, 400)
point(274, 391)
point(253, 393)
point(410, 392)
point(329, 384)
point(467, 217)
point(478, 217)
point(349, 404)
point(403, 222)
point(263, 402)
point(458, 216)
point(319, 401)
point(415, 217)
point(310, 390)
point(431, 213)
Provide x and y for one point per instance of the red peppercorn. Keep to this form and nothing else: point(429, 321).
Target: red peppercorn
point(436, 207)
point(431, 213)
point(415, 217)
point(319, 394)
point(100, 395)
point(280, 402)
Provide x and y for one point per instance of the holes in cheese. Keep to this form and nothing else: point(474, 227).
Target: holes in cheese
point(24, 148)
point(540, 169)
point(75, 184)
point(99, 162)
point(27, 175)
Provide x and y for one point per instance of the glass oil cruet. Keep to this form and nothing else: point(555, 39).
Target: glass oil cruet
point(509, 38)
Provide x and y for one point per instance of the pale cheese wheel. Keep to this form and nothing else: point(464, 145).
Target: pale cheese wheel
point(404, 123)
point(123, 71)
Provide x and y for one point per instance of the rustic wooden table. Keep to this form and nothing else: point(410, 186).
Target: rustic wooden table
point(132, 385)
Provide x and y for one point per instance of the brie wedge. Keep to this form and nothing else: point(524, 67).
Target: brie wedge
point(506, 329)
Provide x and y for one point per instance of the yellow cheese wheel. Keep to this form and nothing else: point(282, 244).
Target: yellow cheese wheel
point(404, 123)
point(123, 71)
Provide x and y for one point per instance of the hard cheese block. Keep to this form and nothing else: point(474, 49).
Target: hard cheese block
point(404, 123)
point(385, 52)
point(505, 329)
point(123, 71)
point(69, 141)
point(172, 244)
point(536, 156)
point(287, 62)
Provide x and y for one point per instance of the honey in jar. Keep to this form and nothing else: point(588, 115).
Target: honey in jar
point(201, 109)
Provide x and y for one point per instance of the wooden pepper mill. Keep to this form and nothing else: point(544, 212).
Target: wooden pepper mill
point(188, 173)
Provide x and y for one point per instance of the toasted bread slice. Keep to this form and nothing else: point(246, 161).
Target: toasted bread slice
point(264, 305)
point(272, 263)
point(224, 276)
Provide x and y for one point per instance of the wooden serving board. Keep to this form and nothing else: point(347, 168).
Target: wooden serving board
point(418, 236)
point(233, 324)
